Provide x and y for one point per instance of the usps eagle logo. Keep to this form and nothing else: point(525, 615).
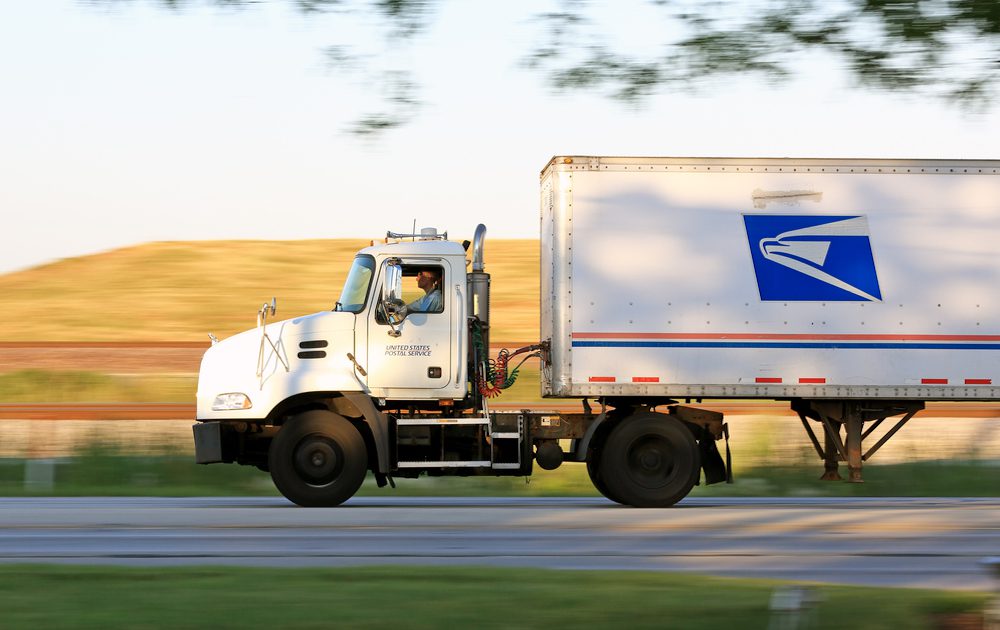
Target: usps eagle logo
point(812, 258)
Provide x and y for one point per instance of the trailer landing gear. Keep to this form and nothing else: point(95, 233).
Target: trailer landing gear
point(834, 415)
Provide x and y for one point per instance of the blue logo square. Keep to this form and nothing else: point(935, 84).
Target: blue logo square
point(812, 258)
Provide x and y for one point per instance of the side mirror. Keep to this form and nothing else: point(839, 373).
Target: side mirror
point(392, 287)
point(263, 311)
point(392, 292)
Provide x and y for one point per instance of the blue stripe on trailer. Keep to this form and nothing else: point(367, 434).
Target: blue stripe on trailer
point(839, 345)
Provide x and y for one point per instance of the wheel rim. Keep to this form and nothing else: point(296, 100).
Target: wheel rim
point(318, 460)
point(650, 460)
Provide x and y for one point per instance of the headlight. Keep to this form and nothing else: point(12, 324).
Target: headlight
point(232, 400)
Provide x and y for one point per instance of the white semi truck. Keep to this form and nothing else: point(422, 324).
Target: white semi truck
point(857, 290)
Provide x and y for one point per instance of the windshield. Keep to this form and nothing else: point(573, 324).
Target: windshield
point(352, 298)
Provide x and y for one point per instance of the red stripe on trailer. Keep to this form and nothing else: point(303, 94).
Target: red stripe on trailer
point(817, 381)
point(768, 379)
point(602, 379)
point(783, 336)
point(645, 379)
point(933, 381)
point(979, 381)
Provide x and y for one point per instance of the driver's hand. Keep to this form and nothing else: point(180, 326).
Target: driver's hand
point(397, 311)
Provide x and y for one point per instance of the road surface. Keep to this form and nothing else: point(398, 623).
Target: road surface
point(932, 543)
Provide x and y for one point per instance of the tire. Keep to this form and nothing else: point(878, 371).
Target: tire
point(594, 457)
point(594, 472)
point(649, 460)
point(594, 461)
point(318, 459)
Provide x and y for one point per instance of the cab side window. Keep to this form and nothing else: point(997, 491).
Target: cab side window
point(422, 288)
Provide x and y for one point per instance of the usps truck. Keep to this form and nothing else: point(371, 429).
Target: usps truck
point(856, 290)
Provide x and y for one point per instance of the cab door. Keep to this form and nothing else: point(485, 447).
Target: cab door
point(420, 357)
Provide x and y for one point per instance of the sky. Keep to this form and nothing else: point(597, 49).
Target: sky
point(135, 124)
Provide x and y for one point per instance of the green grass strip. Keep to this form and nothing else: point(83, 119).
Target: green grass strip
point(37, 596)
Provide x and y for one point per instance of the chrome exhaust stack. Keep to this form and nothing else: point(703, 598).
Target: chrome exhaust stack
point(477, 247)
point(479, 285)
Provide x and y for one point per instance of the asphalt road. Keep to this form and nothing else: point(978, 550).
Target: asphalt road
point(933, 543)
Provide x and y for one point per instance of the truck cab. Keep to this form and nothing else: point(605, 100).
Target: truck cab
point(395, 381)
point(355, 347)
point(381, 382)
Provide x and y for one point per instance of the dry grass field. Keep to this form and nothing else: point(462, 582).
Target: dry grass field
point(180, 291)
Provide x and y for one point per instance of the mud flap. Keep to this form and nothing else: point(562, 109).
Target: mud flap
point(208, 442)
point(716, 470)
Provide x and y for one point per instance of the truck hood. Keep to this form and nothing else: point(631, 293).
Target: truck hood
point(260, 363)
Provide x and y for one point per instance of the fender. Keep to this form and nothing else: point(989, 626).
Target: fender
point(580, 446)
point(375, 420)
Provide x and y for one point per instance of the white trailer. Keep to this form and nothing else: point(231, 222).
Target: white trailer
point(857, 290)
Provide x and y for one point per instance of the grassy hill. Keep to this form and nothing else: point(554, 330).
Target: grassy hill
point(180, 291)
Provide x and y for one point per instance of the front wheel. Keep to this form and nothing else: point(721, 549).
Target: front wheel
point(649, 460)
point(318, 459)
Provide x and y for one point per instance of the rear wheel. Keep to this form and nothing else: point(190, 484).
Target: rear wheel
point(318, 459)
point(649, 460)
point(594, 472)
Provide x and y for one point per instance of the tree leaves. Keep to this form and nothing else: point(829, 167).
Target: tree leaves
point(947, 49)
point(920, 46)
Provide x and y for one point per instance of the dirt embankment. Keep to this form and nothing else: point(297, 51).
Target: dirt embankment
point(106, 357)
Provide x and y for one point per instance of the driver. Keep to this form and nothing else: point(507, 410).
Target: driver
point(428, 280)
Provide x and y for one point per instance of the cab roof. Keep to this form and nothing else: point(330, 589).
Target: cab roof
point(416, 248)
